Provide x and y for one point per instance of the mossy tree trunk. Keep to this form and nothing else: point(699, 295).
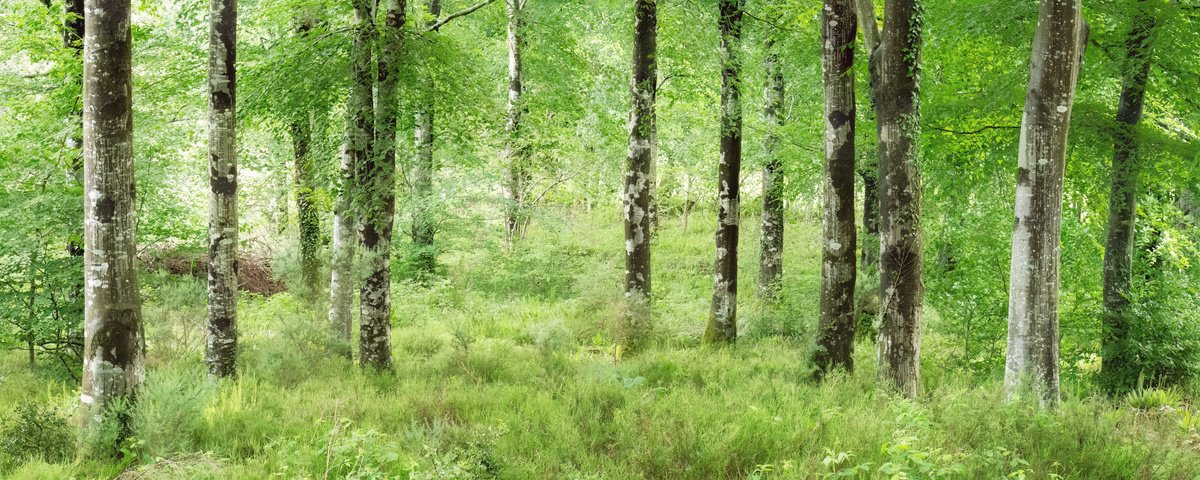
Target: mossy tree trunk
point(221, 351)
point(835, 332)
point(722, 326)
point(1116, 370)
point(770, 270)
point(422, 232)
point(868, 169)
point(901, 290)
point(114, 344)
point(1032, 360)
point(308, 214)
point(638, 168)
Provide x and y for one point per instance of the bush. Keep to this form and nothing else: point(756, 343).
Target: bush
point(36, 431)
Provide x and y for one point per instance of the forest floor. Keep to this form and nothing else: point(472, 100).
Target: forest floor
point(506, 368)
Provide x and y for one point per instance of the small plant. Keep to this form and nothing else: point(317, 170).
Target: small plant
point(1150, 398)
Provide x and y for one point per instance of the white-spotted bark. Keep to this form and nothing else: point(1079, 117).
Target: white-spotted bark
point(221, 351)
point(722, 325)
point(1117, 372)
point(897, 61)
point(770, 268)
point(835, 332)
point(1032, 358)
point(639, 167)
point(360, 132)
point(114, 344)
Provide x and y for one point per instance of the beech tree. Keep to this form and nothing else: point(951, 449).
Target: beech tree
point(770, 271)
point(868, 169)
point(422, 232)
point(221, 351)
point(360, 132)
point(306, 187)
point(722, 326)
point(897, 60)
point(835, 335)
point(514, 151)
point(1122, 201)
point(638, 164)
point(114, 344)
point(1032, 359)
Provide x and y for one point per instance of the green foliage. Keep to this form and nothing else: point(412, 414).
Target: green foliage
point(33, 430)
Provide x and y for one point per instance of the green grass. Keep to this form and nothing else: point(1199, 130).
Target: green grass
point(506, 368)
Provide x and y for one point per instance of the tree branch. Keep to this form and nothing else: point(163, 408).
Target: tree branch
point(467, 11)
point(977, 130)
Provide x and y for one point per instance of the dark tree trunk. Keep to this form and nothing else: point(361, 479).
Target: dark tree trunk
point(516, 216)
point(360, 133)
point(221, 351)
point(308, 214)
point(114, 345)
point(638, 168)
point(422, 233)
point(722, 326)
point(770, 270)
point(835, 332)
point(901, 288)
point(1122, 204)
point(1032, 363)
point(377, 178)
point(868, 169)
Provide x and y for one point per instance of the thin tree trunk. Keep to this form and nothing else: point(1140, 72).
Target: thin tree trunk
point(514, 152)
point(722, 326)
point(868, 170)
point(114, 345)
point(31, 319)
point(1032, 362)
point(638, 168)
point(422, 233)
point(835, 332)
point(1122, 211)
point(308, 214)
point(770, 270)
point(360, 132)
point(221, 351)
point(378, 180)
point(901, 288)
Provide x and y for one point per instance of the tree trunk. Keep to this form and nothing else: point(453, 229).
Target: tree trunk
point(114, 345)
point(422, 175)
point(770, 270)
point(1122, 211)
point(901, 290)
point(1032, 362)
point(868, 170)
point(360, 132)
point(308, 214)
point(377, 177)
point(514, 152)
point(835, 336)
point(221, 351)
point(722, 326)
point(638, 168)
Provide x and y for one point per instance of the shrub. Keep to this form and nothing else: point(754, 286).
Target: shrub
point(36, 431)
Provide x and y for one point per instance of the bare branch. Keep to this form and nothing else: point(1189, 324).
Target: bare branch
point(467, 11)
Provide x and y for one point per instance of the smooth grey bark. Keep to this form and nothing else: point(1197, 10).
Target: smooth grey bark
point(835, 330)
point(897, 60)
point(639, 168)
point(308, 215)
point(1115, 370)
point(722, 325)
point(377, 178)
point(221, 351)
point(868, 169)
point(515, 217)
point(360, 132)
point(770, 269)
point(114, 344)
point(422, 233)
point(1032, 361)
